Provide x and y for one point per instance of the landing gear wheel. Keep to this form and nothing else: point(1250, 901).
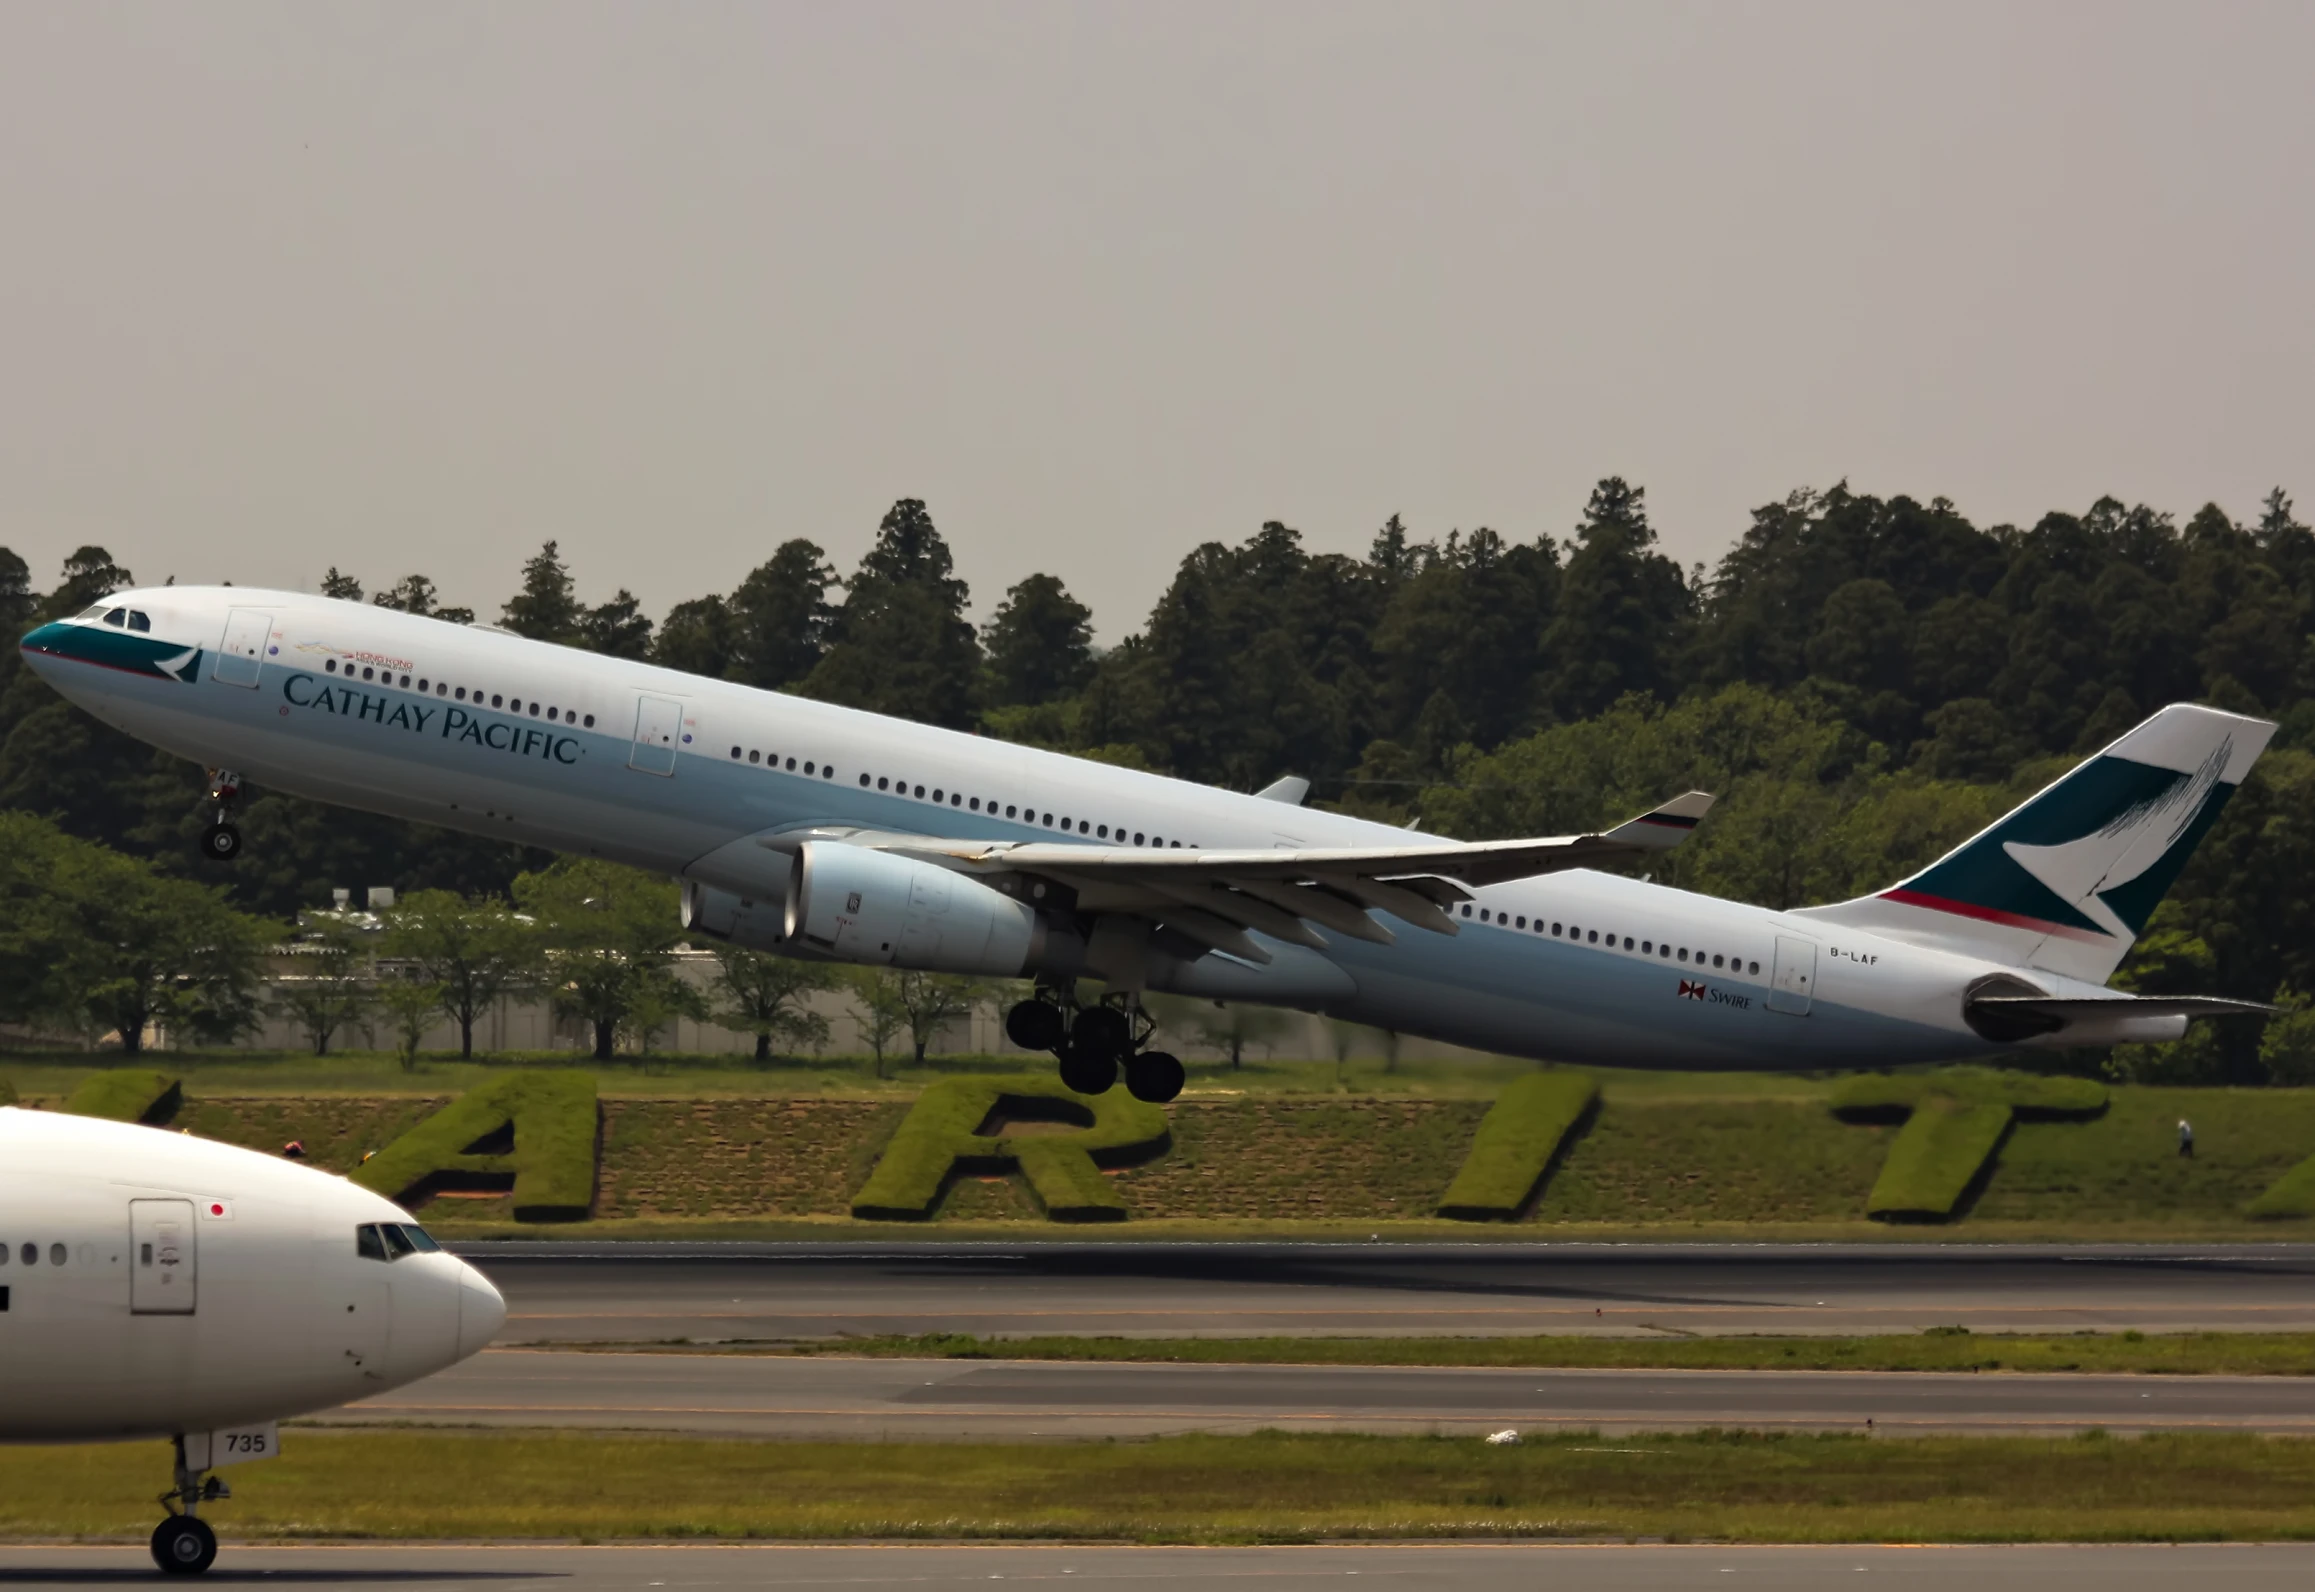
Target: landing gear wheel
point(1102, 1031)
point(221, 843)
point(1087, 1074)
point(183, 1545)
point(1154, 1076)
point(1035, 1025)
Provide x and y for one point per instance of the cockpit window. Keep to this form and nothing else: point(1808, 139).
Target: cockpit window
point(139, 620)
point(116, 616)
point(89, 613)
point(367, 1243)
point(420, 1239)
point(397, 1242)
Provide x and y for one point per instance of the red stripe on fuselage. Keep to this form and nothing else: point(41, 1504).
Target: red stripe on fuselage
point(2010, 920)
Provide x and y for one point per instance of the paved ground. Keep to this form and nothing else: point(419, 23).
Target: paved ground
point(766, 1396)
point(1452, 1568)
point(660, 1292)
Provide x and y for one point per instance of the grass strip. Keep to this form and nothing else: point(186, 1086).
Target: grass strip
point(1939, 1349)
point(1939, 1152)
point(941, 1138)
point(1267, 1487)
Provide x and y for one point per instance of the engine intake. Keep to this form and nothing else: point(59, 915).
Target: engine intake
point(859, 905)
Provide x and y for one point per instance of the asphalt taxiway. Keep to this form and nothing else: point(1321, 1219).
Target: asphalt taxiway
point(563, 1292)
point(1451, 1567)
point(782, 1396)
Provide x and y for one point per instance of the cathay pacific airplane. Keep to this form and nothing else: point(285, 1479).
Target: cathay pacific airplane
point(157, 1285)
point(824, 832)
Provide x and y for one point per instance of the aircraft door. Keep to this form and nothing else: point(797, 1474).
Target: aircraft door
point(162, 1258)
point(657, 722)
point(1795, 972)
point(239, 657)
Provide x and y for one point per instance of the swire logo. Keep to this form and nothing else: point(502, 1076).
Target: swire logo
point(1691, 990)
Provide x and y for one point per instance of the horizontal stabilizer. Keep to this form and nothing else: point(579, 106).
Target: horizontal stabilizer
point(2098, 1019)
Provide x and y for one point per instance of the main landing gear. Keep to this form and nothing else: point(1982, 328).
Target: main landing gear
point(221, 841)
point(183, 1544)
point(1093, 1041)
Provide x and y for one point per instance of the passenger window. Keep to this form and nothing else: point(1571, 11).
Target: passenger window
point(1716, 959)
point(1754, 968)
point(462, 693)
point(1466, 912)
point(883, 783)
point(1105, 831)
point(590, 721)
point(396, 1245)
point(405, 682)
point(422, 684)
point(551, 713)
point(920, 792)
point(329, 666)
point(936, 795)
point(56, 1254)
point(864, 782)
point(30, 1254)
point(367, 1243)
point(515, 705)
point(534, 710)
point(497, 701)
point(791, 765)
point(440, 689)
point(138, 621)
point(369, 673)
point(976, 804)
point(807, 768)
point(1645, 947)
point(1683, 953)
point(752, 756)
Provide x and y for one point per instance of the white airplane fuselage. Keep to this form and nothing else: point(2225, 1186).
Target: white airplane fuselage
point(157, 1284)
point(479, 730)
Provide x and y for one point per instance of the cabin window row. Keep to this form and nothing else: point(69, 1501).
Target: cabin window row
point(442, 688)
point(1608, 937)
point(771, 760)
point(29, 1254)
point(944, 797)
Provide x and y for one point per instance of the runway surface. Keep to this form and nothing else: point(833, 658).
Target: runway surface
point(777, 1396)
point(570, 1292)
point(1511, 1567)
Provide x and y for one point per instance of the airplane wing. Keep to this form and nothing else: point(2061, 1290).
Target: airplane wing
point(1213, 897)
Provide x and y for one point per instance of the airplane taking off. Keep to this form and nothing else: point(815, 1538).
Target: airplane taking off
point(824, 832)
point(157, 1285)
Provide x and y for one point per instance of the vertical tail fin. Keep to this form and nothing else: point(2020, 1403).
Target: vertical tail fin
point(2067, 881)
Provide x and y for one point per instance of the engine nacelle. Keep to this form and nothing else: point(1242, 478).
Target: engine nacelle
point(859, 905)
point(759, 924)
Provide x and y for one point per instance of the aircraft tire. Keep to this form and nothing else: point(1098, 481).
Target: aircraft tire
point(183, 1545)
point(1087, 1074)
point(221, 843)
point(1035, 1025)
point(1101, 1031)
point(1154, 1076)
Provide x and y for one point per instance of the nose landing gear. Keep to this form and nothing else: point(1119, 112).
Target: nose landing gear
point(1093, 1041)
point(221, 841)
point(183, 1544)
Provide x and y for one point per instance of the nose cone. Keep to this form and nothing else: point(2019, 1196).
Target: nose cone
point(42, 646)
point(481, 1312)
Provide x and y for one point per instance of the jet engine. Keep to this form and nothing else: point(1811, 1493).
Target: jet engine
point(760, 924)
point(859, 905)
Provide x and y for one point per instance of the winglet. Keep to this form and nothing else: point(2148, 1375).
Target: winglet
point(1289, 790)
point(1664, 827)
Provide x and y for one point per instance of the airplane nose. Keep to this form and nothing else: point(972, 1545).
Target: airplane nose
point(481, 1312)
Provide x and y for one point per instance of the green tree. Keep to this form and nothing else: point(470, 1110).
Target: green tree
point(779, 620)
point(929, 1002)
point(766, 995)
point(696, 638)
point(469, 952)
point(618, 628)
point(902, 643)
point(343, 587)
point(547, 608)
point(411, 1007)
point(878, 1004)
point(1235, 1028)
point(611, 934)
point(323, 981)
point(1039, 644)
point(415, 594)
point(1624, 608)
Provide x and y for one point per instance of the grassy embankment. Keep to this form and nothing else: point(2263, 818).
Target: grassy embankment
point(1288, 1149)
point(1265, 1487)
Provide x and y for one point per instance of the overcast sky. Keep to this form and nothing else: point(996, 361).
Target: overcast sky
point(410, 288)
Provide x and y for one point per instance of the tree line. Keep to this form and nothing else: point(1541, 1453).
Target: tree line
point(1863, 679)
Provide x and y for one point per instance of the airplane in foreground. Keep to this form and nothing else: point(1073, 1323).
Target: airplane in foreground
point(824, 832)
point(157, 1285)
